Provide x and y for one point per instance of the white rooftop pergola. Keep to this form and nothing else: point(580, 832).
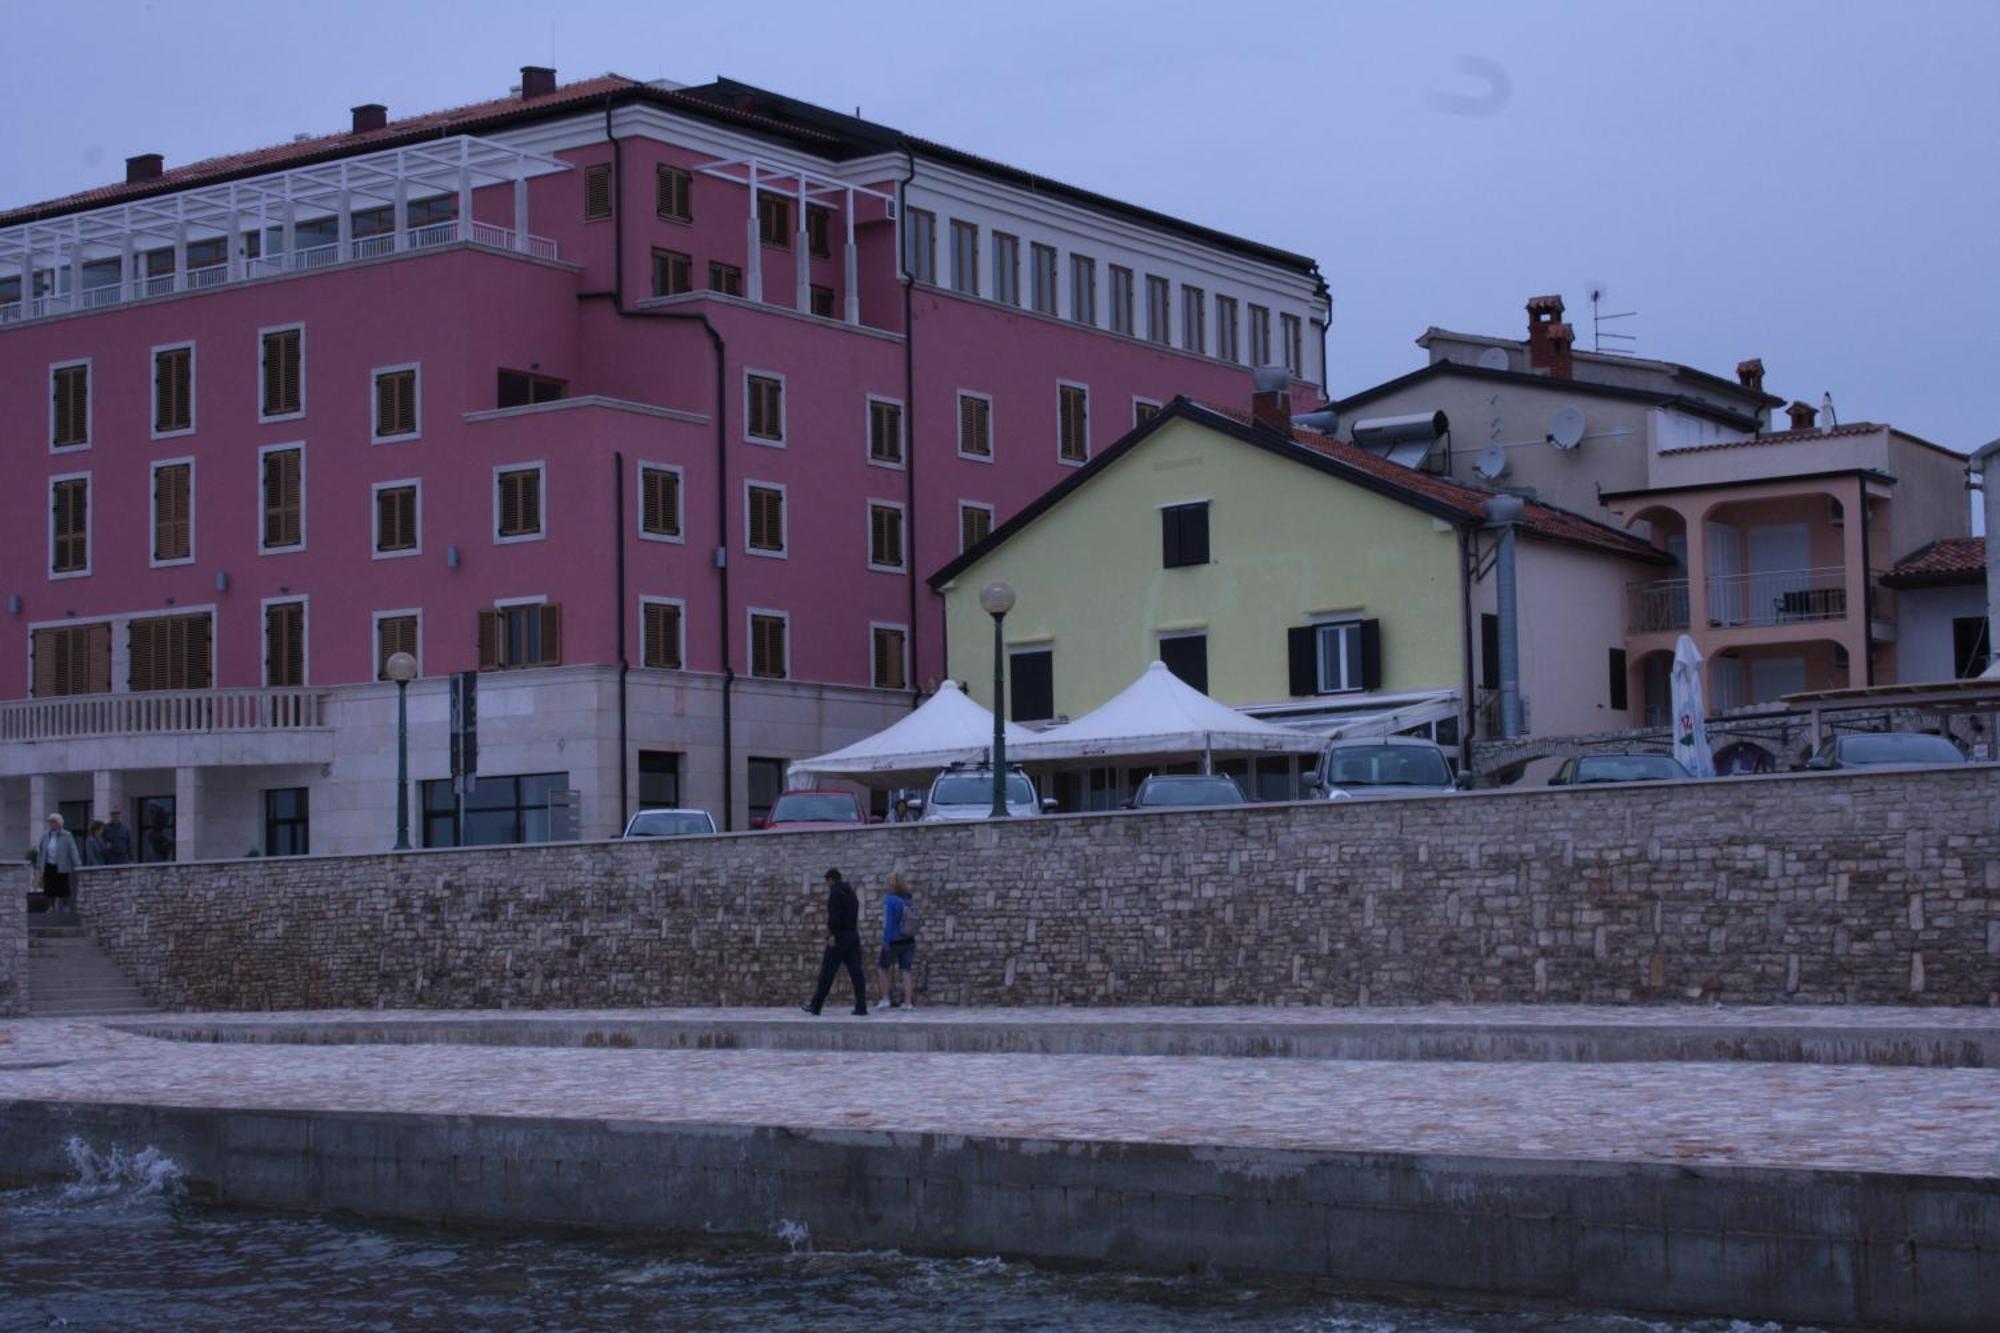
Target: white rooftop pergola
point(52, 257)
point(761, 175)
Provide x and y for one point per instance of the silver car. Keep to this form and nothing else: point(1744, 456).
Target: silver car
point(1381, 767)
point(670, 824)
point(967, 793)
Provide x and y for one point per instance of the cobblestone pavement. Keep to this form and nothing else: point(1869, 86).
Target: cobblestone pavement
point(1943, 1121)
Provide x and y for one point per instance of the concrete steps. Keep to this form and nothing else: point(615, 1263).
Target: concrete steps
point(69, 976)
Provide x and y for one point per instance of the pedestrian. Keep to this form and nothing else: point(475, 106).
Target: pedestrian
point(95, 853)
point(843, 945)
point(117, 839)
point(59, 862)
point(899, 944)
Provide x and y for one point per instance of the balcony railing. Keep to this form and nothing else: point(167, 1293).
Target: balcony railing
point(1777, 597)
point(425, 237)
point(1657, 606)
point(163, 713)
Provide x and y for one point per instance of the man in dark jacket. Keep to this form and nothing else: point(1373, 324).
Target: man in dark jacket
point(843, 947)
point(117, 839)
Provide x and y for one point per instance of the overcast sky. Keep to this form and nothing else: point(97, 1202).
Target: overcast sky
point(1813, 182)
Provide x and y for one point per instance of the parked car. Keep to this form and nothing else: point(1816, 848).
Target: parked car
point(1383, 767)
point(1885, 749)
point(1583, 768)
point(1162, 790)
point(669, 824)
point(966, 792)
point(814, 808)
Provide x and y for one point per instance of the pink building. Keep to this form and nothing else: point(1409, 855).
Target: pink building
point(653, 403)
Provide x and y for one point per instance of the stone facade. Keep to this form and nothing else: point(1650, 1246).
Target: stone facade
point(13, 955)
point(1815, 888)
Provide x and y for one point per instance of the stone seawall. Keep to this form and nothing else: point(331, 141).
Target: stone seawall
point(1821, 888)
point(13, 954)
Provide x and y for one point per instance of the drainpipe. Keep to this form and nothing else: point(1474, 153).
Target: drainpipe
point(624, 664)
point(909, 418)
point(1502, 512)
point(1989, 495)
point(1466, 553)
point(1867, 594)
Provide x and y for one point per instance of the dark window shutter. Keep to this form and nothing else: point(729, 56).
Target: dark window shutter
point(1187, 657)
point(1170, 537)
point(1302, 652)
point(1969, 648)
point(1033, 679)
point(1371, 654)
point(100, 659)
point(1194, 534)
point(139, 636)
point(1618, 697)
point(514, 389)
point(551, 635)
point(489, 640)
point(196, 630)
point(1489, 651)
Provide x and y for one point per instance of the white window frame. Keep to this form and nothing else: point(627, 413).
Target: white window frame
point(1077, 291)
point(681, 625)
point(750, 614)
point(375, 435)
point(902, 536)
point(263, 500)
point(1139, 402)
point(1319, 626)
point(868, 432)
point(1292, 333)
point(153, 398)
point(262, 416)
point(153, 511)
point(784, 408)
point(679, 536)
point(89, 404)
point(965, 282)
point(375, 517)
point(89, 528)
point(1087, 454)
point(541, 468)
point(873, 625)
point(264, 640)
point(784, 550)
point(1229, 351)
point(375, 636)
point(991, 515)
point(1163, 336)
point(1006, 278)
point(958, 426)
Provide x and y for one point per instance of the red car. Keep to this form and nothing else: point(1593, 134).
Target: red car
point(813, 808)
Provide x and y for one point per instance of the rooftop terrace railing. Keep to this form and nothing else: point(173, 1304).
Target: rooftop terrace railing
point(163, 712)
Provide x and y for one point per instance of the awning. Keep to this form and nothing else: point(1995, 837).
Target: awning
point(1160, 718)
point(948, 729)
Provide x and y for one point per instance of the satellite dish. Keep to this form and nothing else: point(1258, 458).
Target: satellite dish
point(1493, 358)
point(1491, 464)
point(1566, 428)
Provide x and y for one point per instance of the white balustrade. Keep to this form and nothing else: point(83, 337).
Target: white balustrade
point(163, 712)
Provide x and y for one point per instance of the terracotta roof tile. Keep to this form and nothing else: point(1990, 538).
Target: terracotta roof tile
point(1950, 560)
point(1783, 437)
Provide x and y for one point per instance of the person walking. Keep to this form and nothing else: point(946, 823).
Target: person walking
point(843, 945)
point(117, 840)
point(95, 853)
point(59, 862)
point(899, 944)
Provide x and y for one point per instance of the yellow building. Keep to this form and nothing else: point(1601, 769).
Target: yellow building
point(1295, 577)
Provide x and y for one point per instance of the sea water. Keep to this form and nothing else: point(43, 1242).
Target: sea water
point(120, 1247)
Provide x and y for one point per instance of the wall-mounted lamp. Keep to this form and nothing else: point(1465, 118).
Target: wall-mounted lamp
point(13, 603)
point(451, 557)
point(222, 580)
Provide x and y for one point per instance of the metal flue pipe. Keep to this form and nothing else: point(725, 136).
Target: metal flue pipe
point(1502, 513)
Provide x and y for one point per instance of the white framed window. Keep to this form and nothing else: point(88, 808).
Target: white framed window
point(1083, 289)
point(1006, 268)
point(661, 503)
point(520, 502)
point(888, 656)
point(520, 632)
point(765, 520)
point(1260, 336)
point(1159, 310)
point(281, 490)
point(281, 372)
point(920, 242)
point(397, 518)
point(1144, 410)
point(69, 405)
point(764, 407)
point(284, 638)
point(1337, 650)
point(1121, 299)
point(885, 432)
point(769, 635)
point(975, 523)
point(1225, 328)
point(399, 403)
point(70, 516)
point(965, 257)
point(1194, 320)
point(663, 633)
point(400, 631)
point(1072, 423)
point(1042, 277)
point(173, 390)
point(886, 546)
point(975, 425)
point(1293, 331)
point(170, 516)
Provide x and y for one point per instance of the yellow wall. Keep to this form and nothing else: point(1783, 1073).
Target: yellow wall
point(1287, 543)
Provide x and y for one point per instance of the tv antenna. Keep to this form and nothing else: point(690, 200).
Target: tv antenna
point(1598, 319)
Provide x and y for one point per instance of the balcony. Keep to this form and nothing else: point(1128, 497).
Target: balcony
point(1657, 606)
point(1777, 597)
point(163, 713)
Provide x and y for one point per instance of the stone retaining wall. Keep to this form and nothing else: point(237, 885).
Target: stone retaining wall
point(13, 953)
point(1823, 888)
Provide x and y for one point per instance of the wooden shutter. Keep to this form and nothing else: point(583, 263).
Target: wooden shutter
point(197, 669)
point(1619, 699)
point(659, 494)
point(531, 501)
point(767, 519)
point(284, 644)
point(551, 638)
point(1302, 656)
point(1371, 654)
point(396, 403)
point(489, 640)
point(98, 668)
point(393, 634)
point(71, 502)
point(173, 389)
point(974, 524)
point(141, 638)
point(173, 512)
point(663, 636)
point(510, 504)
point(47, 649)
point(1032, 680)
point(974, 423)
point(72, 403)
point(281, 498)
point(889, 673)
point(282, 356)
point(597, 191)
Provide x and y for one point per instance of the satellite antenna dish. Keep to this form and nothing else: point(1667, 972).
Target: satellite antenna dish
point(1493, 358)
point(1566, 428)
point(1491, 464)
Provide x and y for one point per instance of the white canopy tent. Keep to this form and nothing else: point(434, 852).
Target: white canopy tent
point(948, 729)
point(1157, 718)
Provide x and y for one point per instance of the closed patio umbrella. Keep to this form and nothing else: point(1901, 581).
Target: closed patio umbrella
point(1690, 728)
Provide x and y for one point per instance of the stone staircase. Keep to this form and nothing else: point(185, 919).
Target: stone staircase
point(69, 976)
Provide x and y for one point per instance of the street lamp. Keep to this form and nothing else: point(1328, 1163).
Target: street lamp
point(996, 599)
point(402, 668)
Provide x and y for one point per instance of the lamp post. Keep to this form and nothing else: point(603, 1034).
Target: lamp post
point(402, 668)
point(996, 599)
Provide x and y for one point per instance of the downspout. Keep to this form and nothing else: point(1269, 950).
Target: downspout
point(1465, 713)
point(1867, 594)
point(1502, 513)
point(624, 665)
point(909, 417)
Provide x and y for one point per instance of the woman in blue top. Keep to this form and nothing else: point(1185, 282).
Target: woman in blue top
point(899, 944)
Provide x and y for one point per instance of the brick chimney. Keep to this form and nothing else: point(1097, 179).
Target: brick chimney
point(1271, 397)
point(537, 81)
point(369, 116)
point(144, 167)
point(1750, 374)
point(1804, 416)
point(1549, 339)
